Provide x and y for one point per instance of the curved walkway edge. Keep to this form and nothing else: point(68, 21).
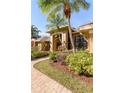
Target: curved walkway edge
point(42, 83)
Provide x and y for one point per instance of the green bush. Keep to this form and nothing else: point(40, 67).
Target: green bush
point(81, 62)
point(53, 55)
point(35, 53)
point(33, 49)
point(88, 69)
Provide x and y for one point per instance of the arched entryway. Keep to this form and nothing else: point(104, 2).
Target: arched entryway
point(57, 42)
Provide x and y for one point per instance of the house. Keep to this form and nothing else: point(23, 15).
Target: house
point(82, 36)
point(43, 43)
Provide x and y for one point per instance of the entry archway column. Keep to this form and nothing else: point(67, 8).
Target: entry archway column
point(90, 41)
point(51, 43)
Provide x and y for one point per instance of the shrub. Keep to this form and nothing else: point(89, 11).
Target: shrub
point(88, 70)
point(38, 54)
point(33, 49)
point(53, 55)
point(35, 53)
point(81, 62)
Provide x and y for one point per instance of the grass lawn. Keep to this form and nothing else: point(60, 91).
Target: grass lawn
point(74, 84)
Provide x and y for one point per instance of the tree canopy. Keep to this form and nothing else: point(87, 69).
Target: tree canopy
point(35, 32)
point(52, 7)
point(56, 21)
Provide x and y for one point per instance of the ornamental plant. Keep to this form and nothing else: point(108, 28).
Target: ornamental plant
point(53, 56)
point(81, 62)
point(35, 53)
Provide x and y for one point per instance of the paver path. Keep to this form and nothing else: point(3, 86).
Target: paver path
point(43, 84)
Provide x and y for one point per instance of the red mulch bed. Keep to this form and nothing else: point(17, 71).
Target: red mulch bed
point(87, 80)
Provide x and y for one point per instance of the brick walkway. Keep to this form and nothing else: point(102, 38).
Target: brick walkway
point(43, 84)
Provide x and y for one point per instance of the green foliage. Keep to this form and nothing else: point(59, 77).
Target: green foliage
point(81, 62)
point(35, 53)
point(52, 7)
point(53, 55)
point(88, 69)
point(56, 21)
point(34, 32)
point(33, 49)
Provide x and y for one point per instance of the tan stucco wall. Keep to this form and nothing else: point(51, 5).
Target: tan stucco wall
point(87, 31)
point(90, 43)
point(89, 37)
point(91, 40)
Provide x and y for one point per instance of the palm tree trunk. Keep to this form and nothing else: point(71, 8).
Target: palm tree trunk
point(70, 34)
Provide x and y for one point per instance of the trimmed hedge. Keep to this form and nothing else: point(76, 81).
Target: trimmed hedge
point(35, 53)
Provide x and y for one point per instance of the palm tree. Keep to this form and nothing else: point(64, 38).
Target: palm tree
point(34, 32)
point(65, 7)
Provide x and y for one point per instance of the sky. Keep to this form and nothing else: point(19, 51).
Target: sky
point(77, 19)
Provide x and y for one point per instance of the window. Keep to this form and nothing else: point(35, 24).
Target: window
point(80, 42)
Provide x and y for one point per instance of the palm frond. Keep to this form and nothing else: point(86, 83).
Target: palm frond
point(56, 21)
point(83, 4)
